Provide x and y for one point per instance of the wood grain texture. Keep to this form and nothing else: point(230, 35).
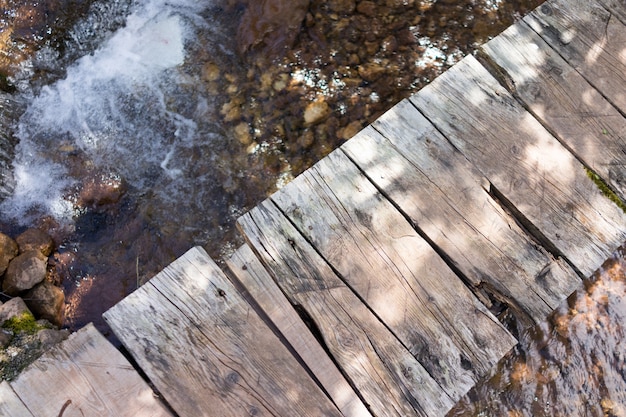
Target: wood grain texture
point(207, 350)
point(590, 38)
point(251, 274)
point(525, 163)
point(443, 194)
point(617, 7)
point(86, 376)
point(10, 403)
point(562, 99)
point(389, 379)
point(395, 271)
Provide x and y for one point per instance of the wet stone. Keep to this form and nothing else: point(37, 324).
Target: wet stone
point(47, 301)
point(24, 272)
point(315, 112)
point(8, 250)
point(35, 239)
point(368, 8)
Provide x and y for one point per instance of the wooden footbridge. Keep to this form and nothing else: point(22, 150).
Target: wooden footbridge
point(393, 275)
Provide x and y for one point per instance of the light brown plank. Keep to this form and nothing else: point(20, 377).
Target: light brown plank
point(251, 274)
point(86, 376)
point(561, 98)
point(10, 403)
point(207, 351)
point(399, 276)
point(527, 165)
point(389, 379)
point(590, 38)
point(442, 193)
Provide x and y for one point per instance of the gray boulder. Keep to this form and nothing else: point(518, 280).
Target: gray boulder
point(24, 272)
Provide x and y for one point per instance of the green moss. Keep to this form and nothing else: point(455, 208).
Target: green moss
point(24, 323)
point(606, 190)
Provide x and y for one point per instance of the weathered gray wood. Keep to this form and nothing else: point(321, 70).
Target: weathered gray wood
point(590, 38)
point(207, 351)
point(617, 7)
point(10, 403)
point(527, 165)
point(86, 376)
point(251, 274)
point(442, 193)
point(561, 98)
point(389, 379)
point(380, 255)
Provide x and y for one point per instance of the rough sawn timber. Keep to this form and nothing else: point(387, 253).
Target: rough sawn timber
point(390, 380)
point(557, 95)
point(395, 272)
point(208, 351)
point(10, 403)
point(250, 273)
point(590, 38)
point(85, 375)
point(443, 195)
point(529, 170)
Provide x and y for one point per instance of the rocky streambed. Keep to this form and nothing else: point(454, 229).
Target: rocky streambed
point(34, 304)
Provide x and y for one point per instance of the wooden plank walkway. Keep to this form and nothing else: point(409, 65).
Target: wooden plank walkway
point(393, 275)
point(83, 376)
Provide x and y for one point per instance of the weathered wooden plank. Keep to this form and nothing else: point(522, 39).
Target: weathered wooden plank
point(561, 98)
point(10, 403)
point(442, 193)
point(388, 378)
point(249, 271)
point(617, 7)
point(524, 163)
point(380, 255)
point(206, 349)
point(86, 376)
point(590, 38)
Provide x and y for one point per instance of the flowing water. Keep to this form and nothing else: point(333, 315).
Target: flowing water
point(133, 130)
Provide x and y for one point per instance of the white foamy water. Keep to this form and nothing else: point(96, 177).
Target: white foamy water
point(113, 107)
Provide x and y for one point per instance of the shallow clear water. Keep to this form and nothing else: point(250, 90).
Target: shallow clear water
point(574, 364)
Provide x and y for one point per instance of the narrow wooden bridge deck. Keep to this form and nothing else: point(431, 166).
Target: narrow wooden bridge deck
point(393, 275)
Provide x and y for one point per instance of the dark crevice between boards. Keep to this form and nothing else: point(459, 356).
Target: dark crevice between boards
point(302, 313)
point(241, 289)
point(360, 298)
point(317, 333)
point(503, 308)
point(531, 230)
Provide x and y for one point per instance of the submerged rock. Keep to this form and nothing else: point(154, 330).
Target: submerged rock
point(270, 27)
point(315, 112)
